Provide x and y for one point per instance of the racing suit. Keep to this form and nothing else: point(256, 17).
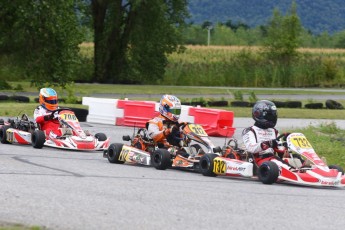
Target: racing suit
point(161, 131)
point(158, 129)
point(50, 126)
point(253, 138)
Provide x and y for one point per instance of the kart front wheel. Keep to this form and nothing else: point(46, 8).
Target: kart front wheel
point(268, 172)
point(38, 139)
point(101, 136)
point(161, 159)
point(206, 164)
point(337, 167)
point(113, 153)
point(3, 135)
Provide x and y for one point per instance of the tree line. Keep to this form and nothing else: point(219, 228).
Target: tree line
point(132, 39)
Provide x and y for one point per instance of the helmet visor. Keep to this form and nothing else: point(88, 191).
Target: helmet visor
point(271, 116)
point(52, 102)
point(175, 111)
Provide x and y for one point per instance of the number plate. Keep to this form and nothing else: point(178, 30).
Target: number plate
point(198, 130)
point(301, 141)
point(219, 166)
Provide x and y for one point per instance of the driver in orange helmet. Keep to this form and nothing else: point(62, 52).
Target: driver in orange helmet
point(44, 115)
point(163, 129)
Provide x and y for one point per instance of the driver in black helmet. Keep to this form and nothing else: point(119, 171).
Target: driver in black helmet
point(260, 139)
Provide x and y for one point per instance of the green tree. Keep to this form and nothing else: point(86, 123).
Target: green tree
point(133, 37)
point(43, 37)
point(283, 34)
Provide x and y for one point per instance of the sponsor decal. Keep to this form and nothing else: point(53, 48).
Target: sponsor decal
point(237, 169)
point(330, 183)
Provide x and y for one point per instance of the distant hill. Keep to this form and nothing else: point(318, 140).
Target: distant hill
point(316, 15)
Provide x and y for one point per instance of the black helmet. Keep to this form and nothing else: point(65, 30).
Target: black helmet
point(265, 114)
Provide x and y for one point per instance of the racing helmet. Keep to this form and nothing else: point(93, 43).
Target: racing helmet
point(48, 99)
point(265, 114)
point(170, 107)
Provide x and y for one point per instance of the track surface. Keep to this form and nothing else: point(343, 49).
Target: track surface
point(61, 189)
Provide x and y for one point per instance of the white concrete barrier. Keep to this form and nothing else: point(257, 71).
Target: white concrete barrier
point(102, 110)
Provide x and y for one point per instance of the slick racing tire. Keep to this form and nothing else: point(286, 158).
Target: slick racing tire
point(38, 139)
point(337, 167)
point(161, 159)
point(113, 153)
point(206, 164)
point(268, 172)
point(3, 135)
point(100, 136)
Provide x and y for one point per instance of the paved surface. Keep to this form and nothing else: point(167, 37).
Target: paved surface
point(81, 190)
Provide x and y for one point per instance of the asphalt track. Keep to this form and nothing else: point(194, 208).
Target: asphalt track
point(60, 189)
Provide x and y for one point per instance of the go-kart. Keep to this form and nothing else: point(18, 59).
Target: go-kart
point(21, 131)
point(24, 131)
point(72, 135)
point(142, 149)
point(299, 165)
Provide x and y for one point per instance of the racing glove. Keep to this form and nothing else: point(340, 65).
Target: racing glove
point(268, 144)
point(166, 131)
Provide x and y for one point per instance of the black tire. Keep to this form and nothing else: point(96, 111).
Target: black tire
point(20, 99)
point(196, 103)
point(4, 97)
point(38, 138)
point(331, 104)
point(218, 103)
point(280, 104)
point(294, 104)
point(268, 172)
point(337, 167)
point(3, 135)
point(314, 106)
point(240, 104)
point(113, 153)
point(161, 159)
point(100, 136)
point(206, 165)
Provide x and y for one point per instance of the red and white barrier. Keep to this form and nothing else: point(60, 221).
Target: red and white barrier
point(216, 122)
point(136, 113)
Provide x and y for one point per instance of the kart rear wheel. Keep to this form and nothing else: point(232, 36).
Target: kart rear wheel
point(3, 135)
point(38, 138)
point(337, 167)
point(206, 164)
point(100, 136)
point(161, 159)
point(113, 153)
point(268, 172)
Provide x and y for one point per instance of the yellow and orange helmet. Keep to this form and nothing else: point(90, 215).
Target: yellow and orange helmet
point(170, 107)
point(48, 99)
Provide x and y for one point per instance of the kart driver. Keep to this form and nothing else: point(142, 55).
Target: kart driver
point(260, 139)
point(44, 115)
point(163, 129)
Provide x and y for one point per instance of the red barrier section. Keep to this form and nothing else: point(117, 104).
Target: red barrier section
point(216, 122)
point(136, 113)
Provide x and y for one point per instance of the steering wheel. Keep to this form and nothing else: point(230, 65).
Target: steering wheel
point(285, 135)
